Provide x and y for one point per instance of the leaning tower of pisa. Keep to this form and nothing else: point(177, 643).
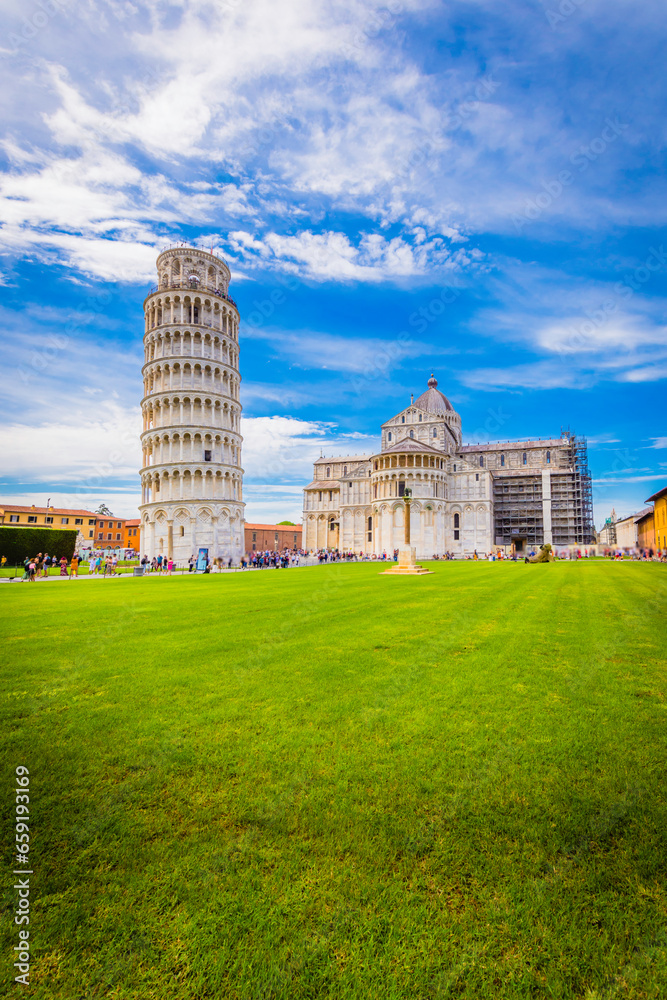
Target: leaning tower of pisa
point(191, 476)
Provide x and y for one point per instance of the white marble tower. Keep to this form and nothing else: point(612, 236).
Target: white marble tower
point(191, 476)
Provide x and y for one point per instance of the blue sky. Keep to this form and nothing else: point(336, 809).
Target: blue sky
point(471, 188)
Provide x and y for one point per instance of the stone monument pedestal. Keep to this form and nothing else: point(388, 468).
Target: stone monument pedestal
point(406, 565)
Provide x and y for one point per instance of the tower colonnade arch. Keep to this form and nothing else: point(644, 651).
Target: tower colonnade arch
point(191, 474)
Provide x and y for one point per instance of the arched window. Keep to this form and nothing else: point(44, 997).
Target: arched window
point(370, 523)
point(435, 432)
point(345, 470)
point(420, 418)
point(389, 436)
point(502, 459)
point(412, 434)
point(525, 459)
point(456, 520)
point(328, 471)
point(182, 532)
point(548, 458)
point(481, 461)
point(402, 420)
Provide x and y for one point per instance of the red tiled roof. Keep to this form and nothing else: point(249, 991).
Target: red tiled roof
point(17, 509)
point(273, 527)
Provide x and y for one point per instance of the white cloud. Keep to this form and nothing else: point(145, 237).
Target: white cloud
point(283, 449)
point(371, 359)
point(307, 106)
point(602, 439)
point(95, 452)
point(648, 373)
point(581, 335)
point(331, 256)
point(100, 456)
point(627, 479)
point(533, 375)
point(267, 504)
point(584, 330)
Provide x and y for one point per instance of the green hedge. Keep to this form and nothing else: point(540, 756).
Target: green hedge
point(17, 542)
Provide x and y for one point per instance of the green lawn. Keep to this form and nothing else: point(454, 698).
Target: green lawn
point(325, 783)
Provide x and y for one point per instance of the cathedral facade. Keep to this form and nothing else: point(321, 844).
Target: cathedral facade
point(465, 498)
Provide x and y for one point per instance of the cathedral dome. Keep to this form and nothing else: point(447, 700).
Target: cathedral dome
point(433, 401)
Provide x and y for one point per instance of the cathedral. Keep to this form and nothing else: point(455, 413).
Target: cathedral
point(513, 495)
point(466, 498)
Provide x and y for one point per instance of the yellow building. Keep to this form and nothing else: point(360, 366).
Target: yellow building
point(659, 501)
point(50, 517)
point(646, 531)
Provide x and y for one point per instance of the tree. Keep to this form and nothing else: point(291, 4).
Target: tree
point(103, 509)
point(287, 522)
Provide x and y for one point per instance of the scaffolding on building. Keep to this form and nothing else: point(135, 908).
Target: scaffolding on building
point(580, 525)
point(519, 503)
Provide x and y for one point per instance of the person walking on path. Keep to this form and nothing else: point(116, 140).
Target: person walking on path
point(63, 566)
point(74, 568)
point(170, 566)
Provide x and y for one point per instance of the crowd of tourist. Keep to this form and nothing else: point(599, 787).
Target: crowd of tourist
point(158, 564)
point(42, 565)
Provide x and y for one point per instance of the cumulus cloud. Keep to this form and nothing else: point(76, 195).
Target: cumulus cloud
point(312, 107)
point(282, 449)
point(533, 375)
point(102, 450)
point(332, 256)
point(582, 330)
